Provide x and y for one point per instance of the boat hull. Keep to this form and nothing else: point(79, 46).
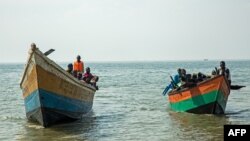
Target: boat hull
point(48, 108)
point(51, 95)
point(209, 97)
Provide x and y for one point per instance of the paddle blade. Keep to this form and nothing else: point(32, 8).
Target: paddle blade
point(48, 52)
point(236, 87)
point(168, 88)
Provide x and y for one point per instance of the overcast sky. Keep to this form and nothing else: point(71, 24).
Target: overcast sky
point(126, 30)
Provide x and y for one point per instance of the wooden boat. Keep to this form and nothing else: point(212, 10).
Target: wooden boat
point(50, 93)
point(208, 97)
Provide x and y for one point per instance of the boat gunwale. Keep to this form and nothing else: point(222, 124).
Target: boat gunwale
point(26, 66)
point(198, 84)
point(54, 65)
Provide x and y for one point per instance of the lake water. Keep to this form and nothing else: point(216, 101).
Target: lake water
point(128, 106)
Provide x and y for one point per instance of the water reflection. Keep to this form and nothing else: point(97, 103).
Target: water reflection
point(199, 126)
point(83, 129)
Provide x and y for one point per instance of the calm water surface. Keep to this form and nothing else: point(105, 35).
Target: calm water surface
point(128, 106)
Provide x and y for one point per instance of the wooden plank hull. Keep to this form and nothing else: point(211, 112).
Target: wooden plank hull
point(48, 108)
point(51, 95)
point(209, 97)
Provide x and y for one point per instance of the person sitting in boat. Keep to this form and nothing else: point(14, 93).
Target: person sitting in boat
point(201, 76)
point(79, 76)
point(187, 80)
point(194, 78)
point(177, 76)
point(70, 68)
point(184, 76)
point(75, 73)
point(223, 70)
point(90, 79)
point(79, 65)
point(175, 83)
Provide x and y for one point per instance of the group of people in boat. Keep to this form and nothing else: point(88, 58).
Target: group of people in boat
point(77, 70)
point(184, 80)
point(188, 79)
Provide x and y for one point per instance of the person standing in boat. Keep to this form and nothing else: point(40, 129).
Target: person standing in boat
point(223, 70)
point(79, 65)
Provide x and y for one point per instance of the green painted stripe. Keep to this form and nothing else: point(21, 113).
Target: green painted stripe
point(198, 101)
point(222, 100)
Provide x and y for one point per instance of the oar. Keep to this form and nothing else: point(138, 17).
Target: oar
point(169, 86)
point(236, 87)
point(48, 52)
point(174, 84)
point(166, 89)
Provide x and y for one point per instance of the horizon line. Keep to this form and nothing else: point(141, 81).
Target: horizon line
point(127, 61)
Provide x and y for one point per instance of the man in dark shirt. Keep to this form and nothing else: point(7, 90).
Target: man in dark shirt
point(223, 70)
point(70, 68)
point(89, 78)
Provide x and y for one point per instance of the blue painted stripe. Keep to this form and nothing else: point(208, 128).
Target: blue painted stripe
point(32, 101)
point(55, 101)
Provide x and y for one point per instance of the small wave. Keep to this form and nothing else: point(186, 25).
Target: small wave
point(70, 137)
point(143, 109)
point(237, 112)
point(109, 116)
point(4, 118)
point(147, 108)
point(34, 126)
